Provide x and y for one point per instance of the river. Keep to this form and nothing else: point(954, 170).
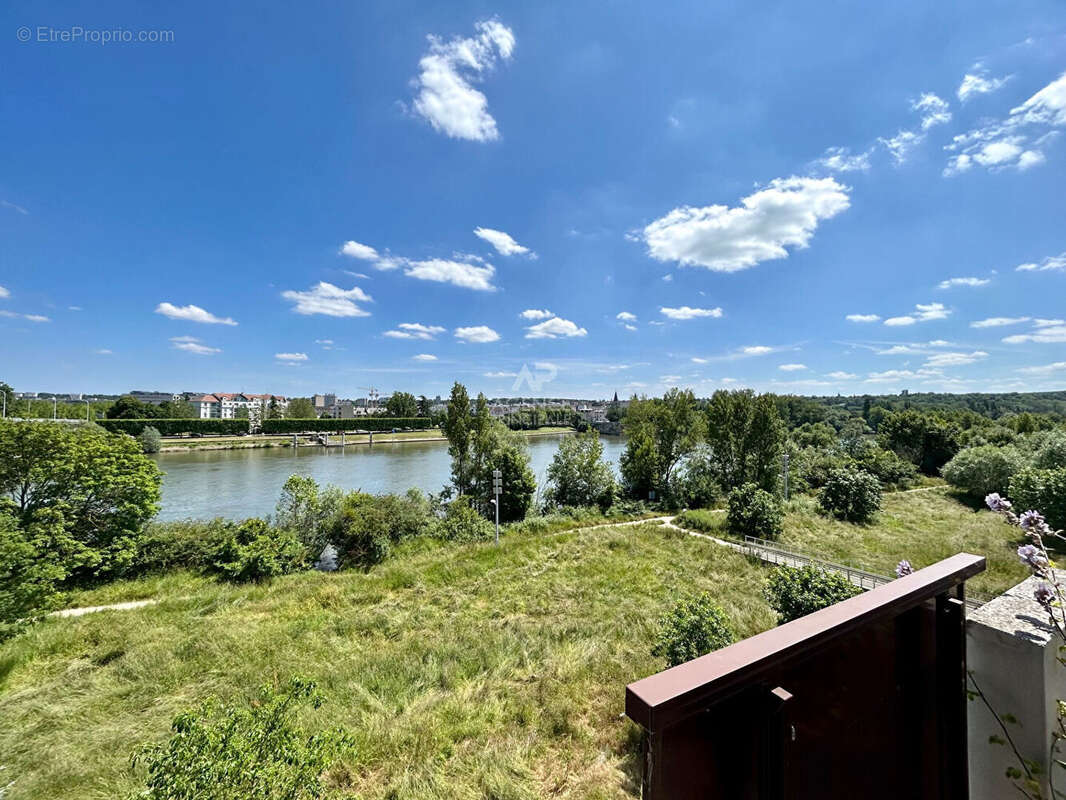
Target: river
point(245, 483)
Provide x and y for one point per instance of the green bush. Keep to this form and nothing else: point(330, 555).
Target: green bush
point(254, 551)
point(886, 466)
point(700, 520)
point(176, 427)
point(1050, 450)
point(34, 560)
point(239, 751)
point(794, 592)
point(150, 440)
point(753, 512)
point(851, 494)
point(692, 628)
point(981, 470)
point(1042, 490)
point(578, 474)
point(369, 525)
point(181, 544)
point(461, 523)
point(348, 425)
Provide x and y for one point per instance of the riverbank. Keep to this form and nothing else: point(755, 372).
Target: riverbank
point(179, 445)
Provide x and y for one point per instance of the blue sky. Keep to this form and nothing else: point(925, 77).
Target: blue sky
point(327, 196)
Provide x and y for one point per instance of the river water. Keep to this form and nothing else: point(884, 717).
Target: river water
point(245, 483)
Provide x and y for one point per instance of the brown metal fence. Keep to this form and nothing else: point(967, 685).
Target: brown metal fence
point(864, 699)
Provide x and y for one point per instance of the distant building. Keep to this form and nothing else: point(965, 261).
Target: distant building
point(155, 398)
point(224, 405)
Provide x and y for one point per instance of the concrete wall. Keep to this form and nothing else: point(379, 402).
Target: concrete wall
point(1011, 652)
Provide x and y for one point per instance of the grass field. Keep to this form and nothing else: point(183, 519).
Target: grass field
point(464, 672)
point(922, 527)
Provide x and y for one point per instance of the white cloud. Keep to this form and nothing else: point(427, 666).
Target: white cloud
point(862, 318)
point(36, 318)
point(998, 322)
point(478, 334)
point(784, 214)
point(457, 273)
point(1046, 368)
point(364, 252)
point(554, 328)
point(975, 83)
point(290, 356)
point(625, 316)
point(756, 350)
point(629, 327)
point(1047, 334)
point(424, 357)
point(840, 159)
point(191, 313)
point(922, 313)
point(685, 312)
point(1015, 141)
point(504, 244)
point(103, 351)
point(696, 360)
point(934, 110)
point(332, 301)
point(900, 145)
point(324, 342)
point(840, 375)
point(536, 313)
point(4, 293)
point(445, 96)
point(415, 330)
point(501, 374)
point(1048, 323)
point(792, 367)
point(951, 283)
point(190, 344)
point(1049, 264)
point(954, 359)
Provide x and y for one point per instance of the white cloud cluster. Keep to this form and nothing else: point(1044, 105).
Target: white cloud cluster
point(1044, 369)
point(934, 110)
point(685, 312)
point(555, 328)
point(190, 344)
point(415, 330)
point(477, 334)
point(191, 313)
point(467, 272)
point(1049, 264)
point(900, 145)
point(841, 159)
point(862, 318)
point(4, 293)
point(424, 357)
point(783, 215)
point(291, 357)
point(505, 245)
point(939, 360)
point(951, 283)
point(792, 367)
point(445, 95)
point(1016, 141)
point(922, 313)
point(625, 316)
point(27, 317)
point(329, 300)
point(978, 82)
point(536, 313)
point(1044, 331)
point(840, 375)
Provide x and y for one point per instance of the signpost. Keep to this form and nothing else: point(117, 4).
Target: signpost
point(497, 490)
point(784, 470)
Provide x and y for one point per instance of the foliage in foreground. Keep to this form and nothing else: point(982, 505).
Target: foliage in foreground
point(255, 551)
point(694, 627)
point(1043, 489)
point(754, 512)
point(579, 475)
point(851, 494)
point(243, 752)
point(794, 592)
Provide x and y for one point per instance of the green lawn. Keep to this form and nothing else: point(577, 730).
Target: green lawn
point(922, 527)
point(464, 672)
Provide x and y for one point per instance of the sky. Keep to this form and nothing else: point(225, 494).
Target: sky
point(566, 200)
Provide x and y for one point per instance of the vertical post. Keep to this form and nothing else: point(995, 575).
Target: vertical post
point(785, 470)
point(497, 490)
point(295, 442)
point(86, 410)
point(55, 405)
point(344, 441)
point(951, 695)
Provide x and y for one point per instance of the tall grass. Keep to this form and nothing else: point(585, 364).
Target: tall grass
point(464, 671)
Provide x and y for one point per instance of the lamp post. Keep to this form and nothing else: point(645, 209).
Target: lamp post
point(55, 406)
point(785, 471)
point(86, 410)
point(497, 490)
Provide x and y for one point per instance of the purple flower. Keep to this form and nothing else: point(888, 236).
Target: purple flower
point(997, 503)
point(1044, 594)
point(1033, 522)
point(1033, 557)
point(904, 568)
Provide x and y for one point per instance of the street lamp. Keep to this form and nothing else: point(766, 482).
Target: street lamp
point(86, 410)
point(55, 405)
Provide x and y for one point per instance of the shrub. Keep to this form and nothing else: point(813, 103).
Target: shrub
point(309, 512)
point(692, 628)
point(175, 427)
point(368, 525)
point(338, 425)
point(183, 544)
point(578, 474)
point(794, 592)
point(254, 551)
point(695, 482)
point(885, 465)
point(150, 440)
point(753, 512)
point(922, 437)
point(979, 471)
point(1042, 490)
point(461, 523)
point(232, 752)
point(33, 561)
point(1050, 450)
point(851, 494)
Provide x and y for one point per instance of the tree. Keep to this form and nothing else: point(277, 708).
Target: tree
point(747, 436)
point(100, 486)
point(150, 439)
point(660, 433)
point(301, 408)
point(694, 627)
point(8, 395)
point(176, 409)
point(274, 408)
point(925, 439)
point(129, 407)
point(506, 451)
point(241, 413)
point(579, 475)
point(979, 471)
point(753, 512)
point(401, 404)
point(423, 406)
point(794, 592)
point(851, 494)
point(614, 410)
point(457, 429)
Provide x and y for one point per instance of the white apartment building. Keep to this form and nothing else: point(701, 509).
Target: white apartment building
point(224, 405)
